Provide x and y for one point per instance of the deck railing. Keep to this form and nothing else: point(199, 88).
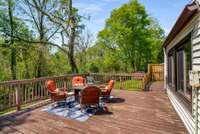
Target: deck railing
point(123, 81)
point(16, 93)
point(19, 92)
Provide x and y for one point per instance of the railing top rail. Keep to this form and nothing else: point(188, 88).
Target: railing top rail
point(113, 74)
point(24, 81)
point(118, 75)
point(36, 79)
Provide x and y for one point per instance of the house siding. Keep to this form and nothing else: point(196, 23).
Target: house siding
point(191, 121)
point(196, 47)
point(195, 39)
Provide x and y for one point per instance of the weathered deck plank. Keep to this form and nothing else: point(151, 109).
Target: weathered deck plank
point(140, 112)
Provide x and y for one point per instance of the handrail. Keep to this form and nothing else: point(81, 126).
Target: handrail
point(38, 79)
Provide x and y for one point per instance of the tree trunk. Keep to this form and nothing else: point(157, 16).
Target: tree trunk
point(13, 63)
point(27, 74)
point(42, 39)
point(39, 65)
point(71, 42)
point(13, 49)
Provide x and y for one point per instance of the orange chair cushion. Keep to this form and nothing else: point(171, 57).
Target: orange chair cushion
point(78, 81)
point(90, 95)
point(110, 84)
point(51, 85)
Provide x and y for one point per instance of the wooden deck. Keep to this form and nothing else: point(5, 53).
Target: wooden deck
point(131, 112)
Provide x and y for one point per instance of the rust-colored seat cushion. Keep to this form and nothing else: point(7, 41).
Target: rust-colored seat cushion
point(51, 85)
point(56, 94)
point(78, 81)
point(107, 90)
point(90, 96)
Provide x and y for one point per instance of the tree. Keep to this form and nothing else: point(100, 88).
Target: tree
point(66, 17)
point(83, 41)
point(43, 31)
point(7, 29)
point(133, 34)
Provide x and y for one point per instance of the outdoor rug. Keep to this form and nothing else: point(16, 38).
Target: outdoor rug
point(71, 109)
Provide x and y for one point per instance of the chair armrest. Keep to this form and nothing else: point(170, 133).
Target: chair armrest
point(104, 90)
point(70, 93)
point(102, 87)
point(62, 89)
point(52, 93)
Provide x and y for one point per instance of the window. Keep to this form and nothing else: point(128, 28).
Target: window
point(188, 67)
point(183, 66)
point(179, 65)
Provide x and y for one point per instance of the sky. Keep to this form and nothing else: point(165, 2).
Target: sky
point(165, 11)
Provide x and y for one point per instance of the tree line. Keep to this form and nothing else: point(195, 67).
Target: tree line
point(47, 37)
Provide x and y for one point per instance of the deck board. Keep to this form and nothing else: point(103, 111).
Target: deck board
point(140, 113)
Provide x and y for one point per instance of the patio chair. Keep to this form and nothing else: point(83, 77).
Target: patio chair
point(90, 80)
point(105, 91)
point(57, 94)
point(90, 96)
point(78, 81)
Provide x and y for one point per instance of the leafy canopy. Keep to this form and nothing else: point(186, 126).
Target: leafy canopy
point(133, 34)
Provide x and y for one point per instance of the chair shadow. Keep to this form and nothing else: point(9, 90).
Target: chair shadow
point(115, 100)
point(103, 111)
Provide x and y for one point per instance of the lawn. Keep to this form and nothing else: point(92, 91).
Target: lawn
point(134, 85)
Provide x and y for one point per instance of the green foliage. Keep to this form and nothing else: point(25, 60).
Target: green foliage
point(129, 41)
point(133, 35)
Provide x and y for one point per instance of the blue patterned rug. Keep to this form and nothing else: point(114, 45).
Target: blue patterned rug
point(71, 109)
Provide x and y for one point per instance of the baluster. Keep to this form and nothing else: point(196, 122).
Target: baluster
point(25, 92)
point(32, 91)
point(65, 84)
point(28, 91)
point(120, 82)
point(17, 90)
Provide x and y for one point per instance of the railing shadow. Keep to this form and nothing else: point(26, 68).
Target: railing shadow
point(15, 119)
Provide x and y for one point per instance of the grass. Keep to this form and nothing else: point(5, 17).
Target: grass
point(133, 85)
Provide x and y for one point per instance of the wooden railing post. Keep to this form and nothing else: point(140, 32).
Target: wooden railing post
point(149, 70)
point(65, 83)
point(120, 81)
point(143, 83)
point(17, 93)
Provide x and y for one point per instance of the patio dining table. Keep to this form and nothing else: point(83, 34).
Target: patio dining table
point(77, 90)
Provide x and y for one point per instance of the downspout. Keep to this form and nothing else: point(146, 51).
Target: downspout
point(165, 69)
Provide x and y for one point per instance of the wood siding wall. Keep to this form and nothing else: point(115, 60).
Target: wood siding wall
point(196, 47)
point(195, 39)
point(192, 27)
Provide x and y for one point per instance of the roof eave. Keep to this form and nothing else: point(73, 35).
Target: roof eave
point(188, 12)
